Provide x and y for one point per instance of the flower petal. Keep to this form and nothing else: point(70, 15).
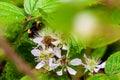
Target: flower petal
point(57, 52)
point(37, 40)
point(55, 43)
point(42, 45)
point(87, 67)
point(52, 65)
point(65, 47)
point(50, 50)
point(50, 61)
point(71, 71)
point(86, 58)
point(40, 65)
point(96, 69)
point(101, 65)
point(59, 72)
point(35, 52)
point(76, 62)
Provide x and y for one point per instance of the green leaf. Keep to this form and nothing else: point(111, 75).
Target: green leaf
point(23, 48)
point(11, 32)
point(99, 52)
point(113, 64)
point(114, 77)
point(41, 76)
point(25, 78)
point(10, 13)
point(8, 8)
point(49, 5)
point(15, 2)
point(2, 55)
point(75, 48)
point(11, 72)
point(115, 16)
point(30, 6)
point(62, 19)
point(98, 77)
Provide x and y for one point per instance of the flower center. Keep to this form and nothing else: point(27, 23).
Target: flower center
point(63, 61)
point(47, 40)
point(46, 56)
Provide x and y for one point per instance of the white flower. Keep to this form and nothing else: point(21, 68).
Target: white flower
point(45, 37)
point(76, 62)
point(44, 58)
point(38, 40)
point(93, 65)
point(55, 43)
point(40, 64)
point(50, 39)
point(36, 52)
point(65, 47)
point(53, 65)
point(59, 72)
point(51, 44)
point(62, 61)
point(57, 52)
point(60, 43)
point(98, 67)
point(71, 71)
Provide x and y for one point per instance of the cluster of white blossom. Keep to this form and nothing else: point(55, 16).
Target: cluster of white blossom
point(93, 65)
point(48, 53)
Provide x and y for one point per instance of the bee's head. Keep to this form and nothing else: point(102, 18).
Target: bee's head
point(39, 24)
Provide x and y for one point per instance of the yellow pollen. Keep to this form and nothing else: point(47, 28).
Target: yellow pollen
point(37, 23)
point(29, 31)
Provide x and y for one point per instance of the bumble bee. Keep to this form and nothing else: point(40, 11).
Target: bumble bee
point(33, 30)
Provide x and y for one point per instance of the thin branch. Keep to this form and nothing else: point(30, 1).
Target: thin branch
point(109, 3)
point(29, 19)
